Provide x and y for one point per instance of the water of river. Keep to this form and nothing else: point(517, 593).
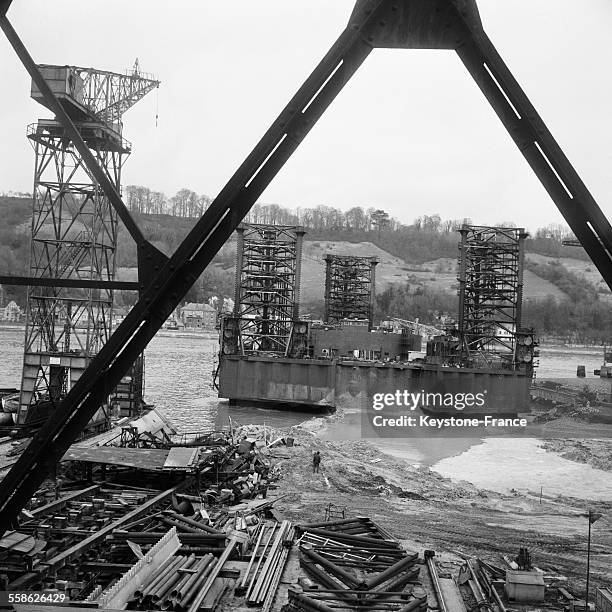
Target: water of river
point(178, 380)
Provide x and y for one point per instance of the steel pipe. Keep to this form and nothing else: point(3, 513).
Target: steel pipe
point(348, 579)
point(398, 567)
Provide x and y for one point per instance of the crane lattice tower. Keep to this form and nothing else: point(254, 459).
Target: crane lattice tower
point(74, 228)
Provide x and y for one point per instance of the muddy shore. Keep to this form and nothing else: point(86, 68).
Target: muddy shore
point(580, 441)
point(596, 453)
point(427, 511)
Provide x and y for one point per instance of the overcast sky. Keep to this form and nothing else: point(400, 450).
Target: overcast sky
point(411, 133)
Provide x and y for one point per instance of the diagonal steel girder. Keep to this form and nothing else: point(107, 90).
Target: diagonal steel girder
point(448, 24)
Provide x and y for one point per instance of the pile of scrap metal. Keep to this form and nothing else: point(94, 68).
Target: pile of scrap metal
point(353, 564)
point(62, 544)
point(83, 545)
point(240, 472)
point(87, 536)
point(164, 579)
point(226, 471)
point(267, 563)
point(171, 575)
point(479, 579)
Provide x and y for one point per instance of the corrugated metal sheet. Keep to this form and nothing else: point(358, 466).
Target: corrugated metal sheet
point(603, 600)
point(153, 421)
point(524, 577)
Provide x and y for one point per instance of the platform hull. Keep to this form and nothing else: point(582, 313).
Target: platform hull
point(326, 384)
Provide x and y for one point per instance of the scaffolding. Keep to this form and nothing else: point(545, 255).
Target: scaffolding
point(74, 232)
point(350, 288)
point(267, 292)
point(491, 293)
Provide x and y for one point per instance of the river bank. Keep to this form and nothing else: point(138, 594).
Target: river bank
point(596, 453)
point(426, 510)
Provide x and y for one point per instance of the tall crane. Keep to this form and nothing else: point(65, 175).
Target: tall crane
point(74, 233)
point(418, 328)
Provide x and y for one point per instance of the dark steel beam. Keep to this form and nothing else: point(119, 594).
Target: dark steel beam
point(175, 278)
point(150, 259)
point(4, 6)
point(40, 281)
point(538, 146)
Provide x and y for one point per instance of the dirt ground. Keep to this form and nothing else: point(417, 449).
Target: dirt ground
point(580, 441)
point(596, 453)
point(427, 511)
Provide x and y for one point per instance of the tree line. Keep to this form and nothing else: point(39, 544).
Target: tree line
point(356, 223)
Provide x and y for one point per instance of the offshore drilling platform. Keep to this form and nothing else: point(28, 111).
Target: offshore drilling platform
point(139, 517)
point(269, 354)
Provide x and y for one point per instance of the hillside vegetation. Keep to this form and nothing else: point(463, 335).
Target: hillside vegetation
point(416, 276)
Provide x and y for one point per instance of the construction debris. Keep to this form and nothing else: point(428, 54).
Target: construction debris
point(354, 564)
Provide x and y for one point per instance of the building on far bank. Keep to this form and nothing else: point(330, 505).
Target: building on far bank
point(11, 313)
point(119, 314)
point(201, 316)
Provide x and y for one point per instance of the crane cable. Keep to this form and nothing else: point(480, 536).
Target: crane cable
point(156, 105)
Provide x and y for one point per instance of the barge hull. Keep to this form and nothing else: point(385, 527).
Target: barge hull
point(332, 383)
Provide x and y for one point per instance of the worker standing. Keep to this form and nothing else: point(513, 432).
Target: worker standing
point(316, 462)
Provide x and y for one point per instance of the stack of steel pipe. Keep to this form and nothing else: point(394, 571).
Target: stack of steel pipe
point(196, 537)
point(349, 549)
point(204, 587)
point(354, 565)
point(270, 564)
point(174, 585)
point(310, 601)
point(359, 526)
point(191, 542)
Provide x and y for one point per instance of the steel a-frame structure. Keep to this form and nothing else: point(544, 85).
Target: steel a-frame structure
point(405, 24)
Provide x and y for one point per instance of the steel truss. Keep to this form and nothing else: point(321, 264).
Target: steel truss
point(74, 232)
point(490, 290)
point(74, 236)
point(268, 264)
point(430, 24)
point(350, 286)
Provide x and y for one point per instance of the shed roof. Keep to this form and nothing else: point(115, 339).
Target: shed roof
point(525, 577)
